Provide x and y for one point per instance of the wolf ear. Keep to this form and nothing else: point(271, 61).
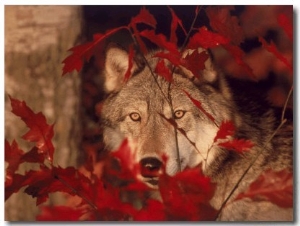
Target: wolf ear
point(115, 67)
point(209, 74)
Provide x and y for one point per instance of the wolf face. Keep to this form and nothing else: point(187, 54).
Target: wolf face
point(138, 110)
point(147, 108)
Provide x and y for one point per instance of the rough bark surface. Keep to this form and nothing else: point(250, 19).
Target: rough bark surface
point(36, 41)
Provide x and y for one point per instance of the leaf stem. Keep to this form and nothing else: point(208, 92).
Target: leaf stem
point(191, 29)
point(76, 192)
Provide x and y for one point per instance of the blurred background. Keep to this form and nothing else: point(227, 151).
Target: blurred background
point(37, 40)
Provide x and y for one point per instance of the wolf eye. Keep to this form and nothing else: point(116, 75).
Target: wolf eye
point(179, 114)
point(135, 117)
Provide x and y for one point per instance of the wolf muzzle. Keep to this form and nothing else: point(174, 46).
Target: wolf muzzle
point(150, 169)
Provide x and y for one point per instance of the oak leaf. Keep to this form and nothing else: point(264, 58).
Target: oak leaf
point(39, 131)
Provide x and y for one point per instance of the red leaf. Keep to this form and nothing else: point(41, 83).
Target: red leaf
point(83, 52)
point(137, 186)
point(160, 40)
point(153, 211)
point(126, 157)
point(33, 156)
point(39, 131)
point(59, 213)
point(198, 105)
point(286, 24)
point(195, 62)
point(13, 184)
point(174, 58)
point(206, 39)
point(143, 17)
point(162, 70)
point(174, 24)
point(130, 63)
point(226, 25)
point(40, 183)
point(186, 195)
point(75, 60)
point(239, 145)
point(13, 156)
point(110, 206)
point(273, 49)
point(227, 128)
point(238, 55)
point(276, 187)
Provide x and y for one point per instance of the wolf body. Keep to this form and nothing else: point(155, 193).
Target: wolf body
point(138, 109)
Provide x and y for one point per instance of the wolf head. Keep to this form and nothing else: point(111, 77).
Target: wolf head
point(141, 109)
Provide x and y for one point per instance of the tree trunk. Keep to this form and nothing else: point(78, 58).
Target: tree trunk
point(36, 41)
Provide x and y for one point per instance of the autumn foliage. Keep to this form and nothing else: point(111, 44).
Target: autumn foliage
point(184, 196)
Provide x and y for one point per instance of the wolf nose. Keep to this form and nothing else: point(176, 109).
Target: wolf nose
point(150, 167)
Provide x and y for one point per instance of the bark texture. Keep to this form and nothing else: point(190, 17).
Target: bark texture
point(36, 41)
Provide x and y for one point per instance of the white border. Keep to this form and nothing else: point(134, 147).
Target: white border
point(152, 2)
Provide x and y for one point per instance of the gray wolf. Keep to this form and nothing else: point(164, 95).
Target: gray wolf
point(138, 109)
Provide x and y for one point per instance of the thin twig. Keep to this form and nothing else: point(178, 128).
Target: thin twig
point(286, 102)
point(147, 63)
point(170, 96)
point(76, 192)
point(190, 30)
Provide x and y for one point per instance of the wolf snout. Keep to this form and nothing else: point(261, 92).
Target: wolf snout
point(150, 167)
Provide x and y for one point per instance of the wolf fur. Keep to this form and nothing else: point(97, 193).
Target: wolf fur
point(134, 110)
